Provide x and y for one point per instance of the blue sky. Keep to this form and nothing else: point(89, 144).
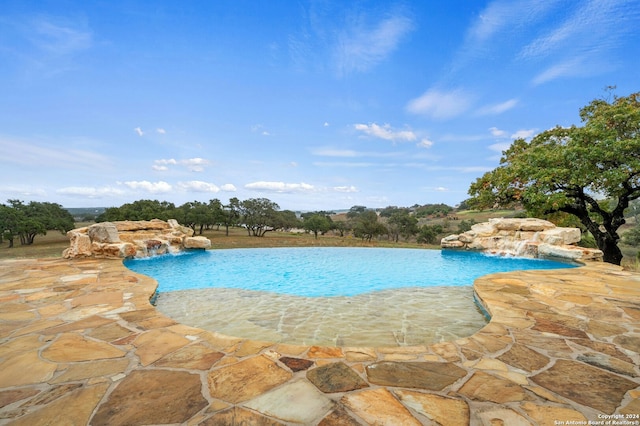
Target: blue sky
point(312, 104)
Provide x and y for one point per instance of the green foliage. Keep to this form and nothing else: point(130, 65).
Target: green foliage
point(367, 226)
point(587, 240)
point(341, 227)
point(140, 210)
point(261, 215)
point(25, 221)
point(198, 215)
point(287, 219)
point(633, 211)
point(356, 211)
point(230, 214)
point(433, 210)
point(572, 170)
point(401, 222)
point(465, 225)
point(632, 236)
point(317, 223)
point(428, 234)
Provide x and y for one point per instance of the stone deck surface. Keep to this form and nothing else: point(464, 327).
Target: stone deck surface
point(81, 344)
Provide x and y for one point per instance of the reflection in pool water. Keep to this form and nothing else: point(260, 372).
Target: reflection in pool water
point(328, 296)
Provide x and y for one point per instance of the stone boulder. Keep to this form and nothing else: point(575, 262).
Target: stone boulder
point(125, 239)
point(528, 237)
point(197, 243)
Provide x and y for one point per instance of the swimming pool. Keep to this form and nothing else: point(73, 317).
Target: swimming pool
point(329, 296)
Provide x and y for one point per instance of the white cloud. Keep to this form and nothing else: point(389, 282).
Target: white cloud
point(497, 132)
point(198, 186)
point(440, 105)
point(496, 109)
point(161, 131)
point(386, 132)
point(345, 188)
point(506, 15)
point(594, 25)
point(348, 153)
point(331, 152)
point(192, 164)
point(259, 128)
point(499, 147)
point(280, 186)
point(523, 134)
point(425, 143)
point(195, 164)
point(34, 154)
point(343, 164)
point(326, 124)
point(440, 189)
point(162, 165)
point(23, 191)
point(61, 37)
point(90, 192)
point(451, 137)
point(166, 161)
point(152, 187)
point(138, 131)
point(584, 37)
point(360, 47)
point(571, 68)
point(228, 187)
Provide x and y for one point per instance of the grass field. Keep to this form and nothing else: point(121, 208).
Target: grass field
point(53, 244)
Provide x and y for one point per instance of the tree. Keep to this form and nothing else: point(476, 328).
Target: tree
point(196, 214)
point(231, 214)
point(259, 215)
point(367, 226)
point(10, 219)
point(317, 222)
point(140, 210)
point(428, 234)
point(433, 210)
point(632, 236)
point(25, 221)
point(634, 211)
point(286, 220)
point(591, 172)
point(465, 225)
point(402, 223)
point(356, 211)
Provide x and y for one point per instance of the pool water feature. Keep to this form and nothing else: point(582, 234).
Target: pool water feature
point(328, 296)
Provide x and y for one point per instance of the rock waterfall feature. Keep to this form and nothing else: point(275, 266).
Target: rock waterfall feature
point(123, 239)
point(526, 237)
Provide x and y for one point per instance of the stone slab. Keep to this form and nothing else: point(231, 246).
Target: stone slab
point(246, 379)
point(336, 377)
point(421, 375)
point(152, 397)
point(585, 384)
point(296, 402)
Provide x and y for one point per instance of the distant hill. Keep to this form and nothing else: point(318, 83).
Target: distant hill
point(79, 213)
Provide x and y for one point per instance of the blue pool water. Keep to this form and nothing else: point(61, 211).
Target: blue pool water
point(326, 271)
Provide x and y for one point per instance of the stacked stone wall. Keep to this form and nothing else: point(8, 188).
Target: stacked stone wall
point(527, 237)
point(124, 239)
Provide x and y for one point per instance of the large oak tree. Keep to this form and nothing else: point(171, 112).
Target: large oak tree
point(591, 171)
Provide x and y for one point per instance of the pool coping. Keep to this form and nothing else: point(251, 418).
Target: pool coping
point(562, 345)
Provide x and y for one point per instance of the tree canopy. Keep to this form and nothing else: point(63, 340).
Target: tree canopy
point(317, 222)
point(25, 221)
point(591, 171)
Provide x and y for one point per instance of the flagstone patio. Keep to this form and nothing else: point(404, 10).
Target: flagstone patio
point(81, 344)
